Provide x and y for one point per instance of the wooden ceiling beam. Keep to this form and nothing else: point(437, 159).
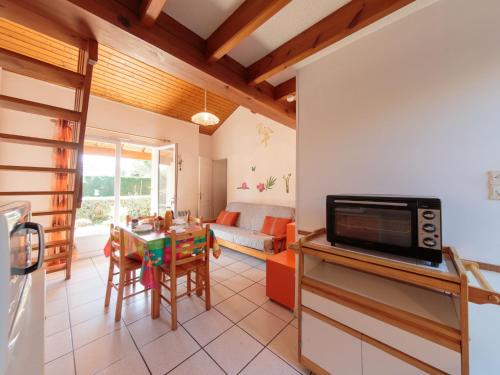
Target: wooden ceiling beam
point(166, 45)
point(284, 89)
point(244, 21)
point(150, 10)
point(352, 17)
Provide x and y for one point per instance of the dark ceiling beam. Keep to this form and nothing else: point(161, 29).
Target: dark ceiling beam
point(150, 10)
point(352, 17)
point(244, 21)
point(166, 45)
point(284, 89)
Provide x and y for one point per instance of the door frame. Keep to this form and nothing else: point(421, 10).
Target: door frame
point(156, 181)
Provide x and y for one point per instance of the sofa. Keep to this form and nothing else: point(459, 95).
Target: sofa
point(245, 236)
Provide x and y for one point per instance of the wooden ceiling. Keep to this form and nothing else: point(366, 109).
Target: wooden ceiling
point(141, 30)
point(119, 77)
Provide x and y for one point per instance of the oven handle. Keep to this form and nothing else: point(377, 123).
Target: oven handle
point(41, 250)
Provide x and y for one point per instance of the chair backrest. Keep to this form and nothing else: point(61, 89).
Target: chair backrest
point(117, 242)
point(184, 245)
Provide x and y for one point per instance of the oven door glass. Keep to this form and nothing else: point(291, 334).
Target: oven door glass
point(386, 226)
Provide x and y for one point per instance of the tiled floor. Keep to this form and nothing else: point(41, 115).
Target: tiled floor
point(244, 332)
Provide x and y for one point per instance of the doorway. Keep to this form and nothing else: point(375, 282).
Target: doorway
point(219, 186)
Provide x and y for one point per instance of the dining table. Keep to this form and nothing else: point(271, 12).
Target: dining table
point(153, 249)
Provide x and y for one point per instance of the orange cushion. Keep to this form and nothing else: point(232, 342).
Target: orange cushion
point(227, 218)
point(275, 226)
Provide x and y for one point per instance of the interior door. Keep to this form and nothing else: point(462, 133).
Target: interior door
point(167, 178)
point(205, 209)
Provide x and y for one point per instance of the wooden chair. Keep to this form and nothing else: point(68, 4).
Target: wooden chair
point(197, 263)
point(126, 266)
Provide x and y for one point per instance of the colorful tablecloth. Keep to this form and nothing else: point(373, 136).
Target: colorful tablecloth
point(157, 251)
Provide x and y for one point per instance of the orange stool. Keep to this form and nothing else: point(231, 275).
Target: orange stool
point(280, 278)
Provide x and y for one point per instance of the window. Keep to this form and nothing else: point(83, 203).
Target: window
point(121, 179)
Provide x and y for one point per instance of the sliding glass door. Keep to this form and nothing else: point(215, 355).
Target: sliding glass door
point(122, 178)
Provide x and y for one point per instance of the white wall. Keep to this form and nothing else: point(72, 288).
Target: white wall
point(238, 141)
point(413, 109)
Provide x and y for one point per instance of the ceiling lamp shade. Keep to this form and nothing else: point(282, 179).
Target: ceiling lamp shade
point(205, 118)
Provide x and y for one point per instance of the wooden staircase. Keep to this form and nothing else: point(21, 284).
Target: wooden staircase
point(59, 250)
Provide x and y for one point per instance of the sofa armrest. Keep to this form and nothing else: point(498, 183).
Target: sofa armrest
point(279, 244)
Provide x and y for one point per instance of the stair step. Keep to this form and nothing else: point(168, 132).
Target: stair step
point(48, 213)
point(38, 108)
point(51, 244)
point(12, 193)
point(56, 229)
point(25, 168)
point(27, 66)
point(55, 268)
point(63, 255)
point(33, 141)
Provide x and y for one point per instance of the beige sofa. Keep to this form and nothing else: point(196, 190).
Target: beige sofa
point(246, 236)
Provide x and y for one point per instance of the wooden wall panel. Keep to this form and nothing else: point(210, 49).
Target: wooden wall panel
point(119, 77)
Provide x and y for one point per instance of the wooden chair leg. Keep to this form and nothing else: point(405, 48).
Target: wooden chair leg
point(173, 301)
point(198, 279)
point(155, 303)
point(206, 277)
point(109, 284)
point(189, 283)
point(119, 300)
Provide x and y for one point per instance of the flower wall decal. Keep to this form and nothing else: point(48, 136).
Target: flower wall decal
point(265, 134)
point(261, 187)
point(244, 186)
point(287, 182)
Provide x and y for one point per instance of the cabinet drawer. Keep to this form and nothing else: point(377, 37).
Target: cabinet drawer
point(427, 351)
point(378, 362)
point(334, 350)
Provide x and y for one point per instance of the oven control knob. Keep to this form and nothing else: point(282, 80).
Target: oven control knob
point(429, 228)
point(430, 242)
point(429, 215)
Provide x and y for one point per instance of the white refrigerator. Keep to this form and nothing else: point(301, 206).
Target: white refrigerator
point(22, 291)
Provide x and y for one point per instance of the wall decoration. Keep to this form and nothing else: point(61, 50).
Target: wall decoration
point(244, 186)
point(253, 168)
point(270, 182)
point(287, 182)
point(264, 133)
point(261, 187)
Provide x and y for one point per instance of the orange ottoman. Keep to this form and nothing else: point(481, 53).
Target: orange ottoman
point(280, 278)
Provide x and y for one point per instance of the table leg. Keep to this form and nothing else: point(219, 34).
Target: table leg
point(155, 303)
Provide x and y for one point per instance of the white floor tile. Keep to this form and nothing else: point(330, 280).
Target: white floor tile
point(263, 281)
point(56, 307)
point(254, 274)
point(90, 310)
point(236, 308)
point(207, 326)
point(285, 345)
point(253, 261)
point(219, 293)
point(136, 310)
point(189, 307)
point(268, 363)
point(58, 345)
point(146, 329)
point(56, 323)
point(278, 310)
point(256, 293)
point(295, 323)
point(166, 352)
point(103, 352)
point(233, 350)
point(221, 274)
point(132, 364)
point(237, 283)
point(93, 329)
point(223, 260)
point(64, 365)
point(56, 293)
point(200, 363)
point(81, 298)
point(262, 325)
point(239, 267)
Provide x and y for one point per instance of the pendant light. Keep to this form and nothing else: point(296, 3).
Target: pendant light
point(205, 118)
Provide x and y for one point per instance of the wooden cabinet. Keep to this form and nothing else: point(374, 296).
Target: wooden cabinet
point(379, 362)
point(372, 315)
point(331, 348)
